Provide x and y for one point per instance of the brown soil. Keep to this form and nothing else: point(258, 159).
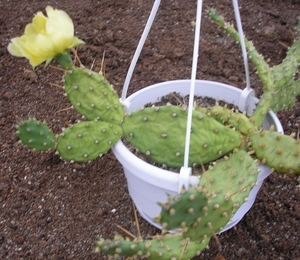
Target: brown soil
point(51, 209)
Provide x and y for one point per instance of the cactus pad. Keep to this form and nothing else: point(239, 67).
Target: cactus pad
point(36, 135)
point(87, 140)
point(92, 96)
point(166, 247)
point(197, 211)
point(226, 116)
point(278, 151)
point(201, 212)
point(160, 133)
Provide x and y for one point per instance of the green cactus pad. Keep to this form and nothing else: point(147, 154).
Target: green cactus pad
point(204, 210)
point(87, 140)
point(160, 133)
point(278, 151)
point(226, 116)
point(214, 218)
point(234, 177)
point(284, 82)
point(92, 96)
point(199, 212)
point(36, 135)
point(166, 247)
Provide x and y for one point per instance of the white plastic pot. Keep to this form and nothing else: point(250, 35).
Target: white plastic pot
point(148, 184)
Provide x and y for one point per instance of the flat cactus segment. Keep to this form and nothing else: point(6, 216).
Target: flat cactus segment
point(280, 152)
point(205, 210)
point(198, 212)
point(160, 133)
point(183, 209)
point(92, 96)
point(87, 140)
point(234, 177)
point(167, 247)
point(236, 120)
point(284, 82)
point(228, 185)
point(216, 215)
point(36, 135)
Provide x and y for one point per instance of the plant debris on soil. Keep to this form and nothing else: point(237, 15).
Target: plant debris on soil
point(53, 209)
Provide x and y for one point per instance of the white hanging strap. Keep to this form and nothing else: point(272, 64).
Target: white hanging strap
point(185, 171)
point(137, 53)
point(248, 91)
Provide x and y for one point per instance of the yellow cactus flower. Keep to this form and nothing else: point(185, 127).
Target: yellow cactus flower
point(45, 38)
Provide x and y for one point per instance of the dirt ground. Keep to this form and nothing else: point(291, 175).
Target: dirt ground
point(51, 209)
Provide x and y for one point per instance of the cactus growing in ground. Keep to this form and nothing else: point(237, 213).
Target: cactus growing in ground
point(201, 211)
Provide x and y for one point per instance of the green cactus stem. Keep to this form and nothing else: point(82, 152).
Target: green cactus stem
point(65, 60)
point(159, 132)
point(257, 60)
point(92, 96)
point(227, 178)
point(36, 135)
point(197, 212)
point(279, 82)
point(86, 141)
point(231, 118)
point(166, 247)
point(278, 151)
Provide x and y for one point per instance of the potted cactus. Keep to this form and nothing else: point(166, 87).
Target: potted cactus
point(237, 141)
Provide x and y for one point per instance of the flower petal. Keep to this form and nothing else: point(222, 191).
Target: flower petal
point(45, 38)
point(38, 25)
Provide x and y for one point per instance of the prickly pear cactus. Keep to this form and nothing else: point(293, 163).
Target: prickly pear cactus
point(198, 213)
point(92, 96)
point(165, 128)
point(36, 135)
point(231, 118)
point(165, 247)
point(227, 178)
point(85, 141)
point(204, 210)
point(278, 151)
point(281, 84)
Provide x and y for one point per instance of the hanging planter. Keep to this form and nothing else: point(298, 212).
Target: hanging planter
point(147, 184)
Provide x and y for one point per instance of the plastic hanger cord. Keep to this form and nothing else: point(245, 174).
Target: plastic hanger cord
point(248, 91)
point(185, 171)
point(138, 52)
